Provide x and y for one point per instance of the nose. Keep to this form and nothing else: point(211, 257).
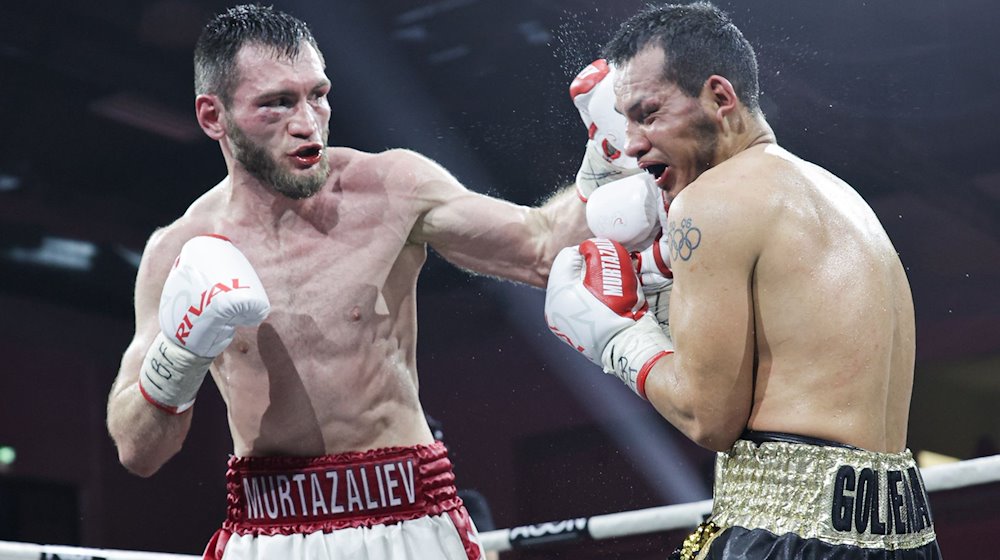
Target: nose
point(636, 144)
point(306, 122)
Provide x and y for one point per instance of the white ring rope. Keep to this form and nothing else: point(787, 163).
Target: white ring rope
point(27, 551)
point(972, 472)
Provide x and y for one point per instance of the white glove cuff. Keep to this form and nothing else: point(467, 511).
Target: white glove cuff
point(596, 170)
point(632, 352)
point(171, 375)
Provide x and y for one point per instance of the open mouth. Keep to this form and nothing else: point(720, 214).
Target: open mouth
point(659, 173)
point(308, 155)
point(657, 170)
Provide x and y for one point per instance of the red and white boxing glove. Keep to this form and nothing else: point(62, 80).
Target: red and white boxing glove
point(594, 303)
point(652, 264)
point(603, 161)
point(633, 211)
point(211, 290)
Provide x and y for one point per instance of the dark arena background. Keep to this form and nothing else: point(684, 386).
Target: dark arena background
point(99, 147)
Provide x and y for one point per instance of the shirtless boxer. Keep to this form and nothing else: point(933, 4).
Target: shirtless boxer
point(295, 280)
point(790, 347)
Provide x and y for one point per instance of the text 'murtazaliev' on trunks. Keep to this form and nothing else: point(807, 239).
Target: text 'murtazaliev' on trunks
point(353, 489)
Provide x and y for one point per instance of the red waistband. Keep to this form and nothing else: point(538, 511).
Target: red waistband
point(286, 495)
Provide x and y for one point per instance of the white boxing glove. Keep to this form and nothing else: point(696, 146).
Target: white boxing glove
point(603, 161)
point(625, 211)
point(594, 303)
point(211, 290)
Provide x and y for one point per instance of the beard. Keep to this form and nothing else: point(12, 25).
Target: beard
point(707, 135)
point(703, 133)
point(265, 168)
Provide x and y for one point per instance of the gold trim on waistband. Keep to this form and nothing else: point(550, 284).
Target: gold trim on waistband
point(837, 495)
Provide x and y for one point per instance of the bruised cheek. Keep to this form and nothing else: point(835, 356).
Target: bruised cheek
point(265, 124)
point(266, 131)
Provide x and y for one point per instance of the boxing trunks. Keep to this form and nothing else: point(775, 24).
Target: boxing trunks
point(394, 503)
point(781, 496)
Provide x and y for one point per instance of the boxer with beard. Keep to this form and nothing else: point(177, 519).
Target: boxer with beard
point(293, 281)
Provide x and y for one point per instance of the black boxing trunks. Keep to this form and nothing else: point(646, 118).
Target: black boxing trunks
point(782, 496)
point(382, 504)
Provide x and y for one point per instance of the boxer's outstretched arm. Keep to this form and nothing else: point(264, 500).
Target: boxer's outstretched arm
point(491, 236)
point(706, 387)
point(145, 436)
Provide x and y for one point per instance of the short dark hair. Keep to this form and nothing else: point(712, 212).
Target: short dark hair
point(250, 24)
point(699, 40)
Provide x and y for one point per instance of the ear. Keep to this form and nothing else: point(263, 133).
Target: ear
point(719, 92)
point(209, 109)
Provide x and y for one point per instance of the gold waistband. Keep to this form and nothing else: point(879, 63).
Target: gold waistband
point(837, 495)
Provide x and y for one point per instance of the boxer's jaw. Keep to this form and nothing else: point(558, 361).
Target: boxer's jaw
point(282, 174)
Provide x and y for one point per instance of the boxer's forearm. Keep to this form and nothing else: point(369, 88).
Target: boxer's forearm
point(145, 436)
point(697, 409)
point(565, 224)
point(523, 247)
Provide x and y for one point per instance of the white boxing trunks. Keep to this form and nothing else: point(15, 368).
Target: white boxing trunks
point(394, 503)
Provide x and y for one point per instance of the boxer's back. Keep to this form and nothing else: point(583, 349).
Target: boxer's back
point(833, 312)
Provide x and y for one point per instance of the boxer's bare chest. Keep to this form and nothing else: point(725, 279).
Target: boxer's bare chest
point(329, 268)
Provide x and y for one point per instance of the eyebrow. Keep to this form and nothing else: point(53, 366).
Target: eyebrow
point(632, 109)
point(289, 92)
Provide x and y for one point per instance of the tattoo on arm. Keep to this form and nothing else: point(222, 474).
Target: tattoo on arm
point(683, 238)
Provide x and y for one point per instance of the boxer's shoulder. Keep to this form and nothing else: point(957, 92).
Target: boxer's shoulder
point(767, 168)
point(161, 250)
point(748, 186)
point(342, 157)
point(727, 214)
point(408, 162)
point(165, 242)
point(397, 169)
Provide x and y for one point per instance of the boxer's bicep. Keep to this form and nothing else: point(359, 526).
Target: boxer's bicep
point(711, 315)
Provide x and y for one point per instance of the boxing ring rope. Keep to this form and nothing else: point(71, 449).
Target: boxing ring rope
point(950, 476)
point(972, 472)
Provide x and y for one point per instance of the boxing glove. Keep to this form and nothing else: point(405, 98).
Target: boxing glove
point(631, 211)
point(210, 291)
point(594, 303)
point(603, 161)
point(625, 211)
point(652, 265)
